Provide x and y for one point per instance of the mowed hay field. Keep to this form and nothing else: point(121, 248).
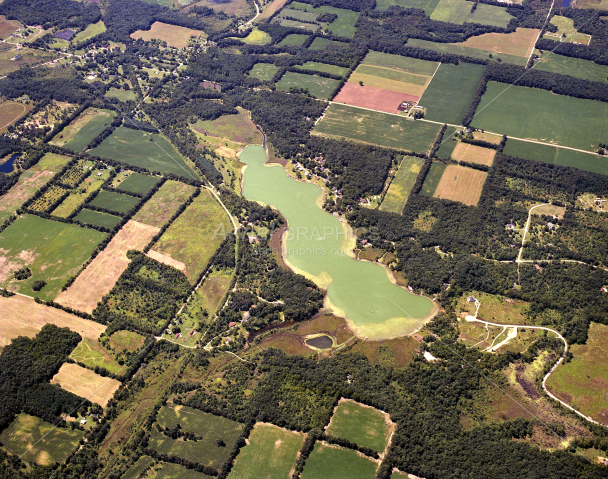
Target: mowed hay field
point(147, 150)
point(78, 134)
point(114, 201)
point(86, 383)
point(324, 67)
point(22, 316)
point(53, 251)
point(377, 128)
point(196, 234)
point(293, 40)
point(363, 425)
point(172, 34)
point(459, 183)
point(459, 12)
point(432, 178)
point(92, 354)
point(583, 382)
point(520, 43)
point(97, 218)
point(401, 186)
point(333, 462)
point(10, 112)
point(38, 441)
point(101, 274)
point(451, 91)
point(427, 5)
point(211, 428)
point(263, 71)
point(138, 183)
point(585, 69)
point(270, 453)
point(532, 113)
point(164, 203)
point(319, 87)
point(461, 49)
point(473, 154)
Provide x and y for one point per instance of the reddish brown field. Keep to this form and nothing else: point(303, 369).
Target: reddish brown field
point(8, 26)
point(474, 154)
point(459, 183)
point(519, 43)
point(98, 278)
point(372, 98)
point(22, 316)
point(86, 383)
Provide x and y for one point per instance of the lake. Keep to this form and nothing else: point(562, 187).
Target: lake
point(319, 246)
point(7, 166)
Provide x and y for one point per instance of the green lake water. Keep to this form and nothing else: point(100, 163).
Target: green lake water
point(316, 246)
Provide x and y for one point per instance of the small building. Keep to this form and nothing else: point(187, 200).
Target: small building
point(537, 267)
point(471, 299)
point(510, 226)
point(83, 421)
point(232, 324)
point(176, 335)
point(247, 315)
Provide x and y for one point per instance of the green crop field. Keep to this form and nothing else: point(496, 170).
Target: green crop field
point(271, 453)
point(164, 203)
point(432, 178)
point(122, 95)
point(293, 40)
point(324, 67)
point(138, 467)
point(331, 462)
point(175, 471)
point(86, 132)
point(427, 5)
point(38, 441)
point(459, 12)
point(320, 43)
point(401, 186)
point(448, 96)
point(572, 66)
point(211, 428)
point(382, 129)
point(343, 26)
point(458, 49)
point(318, 87)
point(78, 195)
point(54, 251)
point(363, 425)
point(146, 150)
point(536, 114)
point(196, 234)
point(263, 71)
point(398, 62)
point(447, 143)
point(256, 37)
point(92, 353)
point(114, 201)
point(97, 218)
point(311, 27)
point(138, 183)
point(91, 31)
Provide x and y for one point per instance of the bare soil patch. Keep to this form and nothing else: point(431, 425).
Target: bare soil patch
point(86, 383)
point(22, 316)
point(372, 98)
point(166, 259)
point(474, 154)
point(462, 184)
point(98, 278)
point(519, 43)
point(172, 34)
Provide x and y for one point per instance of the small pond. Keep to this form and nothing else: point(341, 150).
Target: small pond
point(7, 166)
point(320, 342)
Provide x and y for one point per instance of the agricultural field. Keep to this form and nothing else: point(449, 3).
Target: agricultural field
point(101, 274)
point(255, 37)
point(270, 453)
point(44, 203)
point(293, 40)
point(91, 31)
point(78, 134)
point(164, 203)
point(473, 154)
point(122, 95)
point(97, 218)
point(431, 181)
point(520, 43)
point(319, 87)
point(320, 43)
point(377, 128)
point(114, 201)
point(210, 428)
point(235, 128)
point(129, 341)
point(196, 234)
point(575, 67)
point(78, 195)
point(22, 316)
point(459, 12)
point(138, 467)
point(7, 27)
point(92, 354)
point(427, 5)
point(401, 186)
point(343, 26)
point(10, 112)
point(239, 8)
point(583, 381)
point(361, 424)
point(451, 91)
point(532, 113)
point(174, 35)
point(263, 71)
point(595, 4)
point(366, 96)
point(146, 150)
point(459, 183)
point(86, 383)
point(324, 67)
point(138, 183)
point(41, 245)
point(12, 59)
point(448, 142)
point(35, 440)
point(175, 471)
point(332, 462)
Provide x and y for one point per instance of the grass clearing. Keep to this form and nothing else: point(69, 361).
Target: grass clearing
point(324, 67)
point(8, 26)
point(473, 154)
point(344, 121)
point(10, 112)
point(319, 87)
point(239, 8)
point(114, 201)
point(86, 383)
point(174, 35)
point(12, 59)
point(138, 467)
point(91, 31)
point(361, 424)
point(126, 341)
point(122, 95)
point(432, 178)
point(332, 462)
point(97, 218)
point(459, 183)
point(164, 203)
point(584, 69)
point(467, 49)
point(138, 183)
point(236, 128)
point(519, 43)
point(293, 40)
point(146, 150)
point(343, 26)
point(92, 354)
point(38, 441)
point(459, 12)
point(271, 453)
point(78, 134)
point(401, 186)
point(320, 43)
point(54, 252)
point(427, 5)
point(256, 37)
point(263, 71)
point(391, 353)
point(175, 471)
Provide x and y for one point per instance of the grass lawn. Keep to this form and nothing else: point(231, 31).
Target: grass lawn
point(318, 87)
point(164, 203)
point(432, 178)
point(92, 353)
point(196, 234)
point(460, 49)
point(91, 31)
point(459, 12)
point(271, 453)
point(146, 150)
point(210, 427)
point(126, 341)
point(427, 5)
point(532, 113)
point(324, 67)
point(320, 43)
point(263, 71)
point(293, 40)
point(363, 425)
point(78, 134)
point(97, 218)
point(343, 26)
point(575, 67)
point(138, 183)
point(122, 95)
point(448, 96)
point(401, 186)
point(54, 252)
point(377, 128)
point(331, 462)
point(38, 441)
point(114, 201)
